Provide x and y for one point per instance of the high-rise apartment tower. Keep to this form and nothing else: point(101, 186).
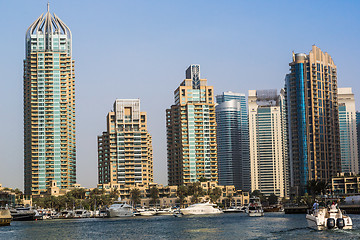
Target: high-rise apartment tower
point(268, 142)
point(313, 117)
point(233, 140)
point(125, 150)
point(191, 131)
point(49, 106)
point(348, 134)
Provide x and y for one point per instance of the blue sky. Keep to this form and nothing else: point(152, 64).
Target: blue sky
point(140, 49)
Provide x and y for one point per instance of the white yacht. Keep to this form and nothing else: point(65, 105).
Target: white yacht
point(120, 209)
point(325, 218)
point(147, 212)
point(200, 208)
point(82, 213)
point(66, 214)
point(254, 208)
point(166, 211)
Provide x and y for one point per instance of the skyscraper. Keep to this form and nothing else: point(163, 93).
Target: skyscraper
point(314, 141)
point(348, 134)
point(268, 144)
point(358, 134)
point(49, 105)
point(191, 131)
point(125, 150)
point(233, 140)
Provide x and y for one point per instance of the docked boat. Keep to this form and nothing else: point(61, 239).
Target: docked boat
point(254, 208)
point(82, 213)
point(5, 217)
point(22, 214)
point(120, 209)
point(201, 208)
point(325, 218)
point(148, 212)
point(233, 210)
point(66, 214)
point(166, 211)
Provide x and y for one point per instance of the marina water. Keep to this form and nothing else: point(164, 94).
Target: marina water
point(222, 226)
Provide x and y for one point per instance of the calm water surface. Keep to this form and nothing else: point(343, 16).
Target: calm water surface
point(223, 226)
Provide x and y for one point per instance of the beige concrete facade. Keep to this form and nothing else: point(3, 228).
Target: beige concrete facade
point(345, 183)
point(125, 150)
point(168, 194)
point(191, 131)
point(49, 107)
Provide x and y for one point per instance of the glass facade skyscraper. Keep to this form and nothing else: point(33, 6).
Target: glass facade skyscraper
point(233, 140)
point(348, 134)
point(312, 104)
point(191, 131)
point(49, 106)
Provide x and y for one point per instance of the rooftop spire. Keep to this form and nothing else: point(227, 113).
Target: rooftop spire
point(48, 6)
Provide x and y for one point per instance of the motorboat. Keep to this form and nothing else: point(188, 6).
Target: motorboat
point(22, 214)
point(254, 208)
point(328, 218)
point(200, 208)
point(233, 210)
point(120, 209)
point(101, 213)
point(166, 211)
point(148, 212)
point(66, 214)
point(5, 217)
point(82, 213)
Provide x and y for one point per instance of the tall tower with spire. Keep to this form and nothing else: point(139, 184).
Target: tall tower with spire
point(191, 131)
point(49, 106)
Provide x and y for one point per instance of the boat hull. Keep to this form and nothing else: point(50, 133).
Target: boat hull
point(189, 212)
point(5, 221)
point(255, 214)
point(120, 213)
point(320, 223)
point(147, 213)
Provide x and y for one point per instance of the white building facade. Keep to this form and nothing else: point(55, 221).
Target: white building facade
point(268, 148)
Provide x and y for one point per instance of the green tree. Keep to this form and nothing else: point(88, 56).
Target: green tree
point(203, 179)
point(135, 196)
point(181, 194)
point(316, 187)
point(78, 193)
point(215, 194)
point(195, 191)
point(272, 199)
point(229, 199)
point(154, 195)
point(257, 193)
point(114, 194)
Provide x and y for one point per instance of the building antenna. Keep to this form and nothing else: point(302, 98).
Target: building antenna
point(48, 6)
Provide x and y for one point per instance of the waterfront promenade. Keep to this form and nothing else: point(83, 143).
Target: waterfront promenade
point(224, 226)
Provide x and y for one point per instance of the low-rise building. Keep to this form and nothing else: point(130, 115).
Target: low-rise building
point(168, 194)
point(345, 183)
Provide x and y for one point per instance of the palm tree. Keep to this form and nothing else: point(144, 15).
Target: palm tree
point(316, 187)
point(181, 193)
point(229, 199)
point(215, 194)
point(154, 195)
point(196, 191)
point(135, 196)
